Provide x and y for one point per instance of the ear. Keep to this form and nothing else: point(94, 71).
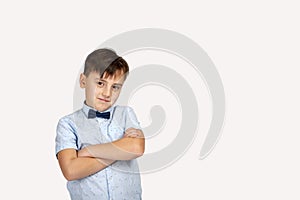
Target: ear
point(82, 80)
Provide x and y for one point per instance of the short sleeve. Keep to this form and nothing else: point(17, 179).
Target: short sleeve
point(65, 135)
point(131, 119)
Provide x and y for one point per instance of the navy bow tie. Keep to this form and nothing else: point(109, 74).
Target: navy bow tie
point(94, 114)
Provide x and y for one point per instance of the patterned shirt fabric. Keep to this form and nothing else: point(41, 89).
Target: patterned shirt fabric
point(119, 181)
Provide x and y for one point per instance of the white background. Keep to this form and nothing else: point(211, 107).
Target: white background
point(254, 45)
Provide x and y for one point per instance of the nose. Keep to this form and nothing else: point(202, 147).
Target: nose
point(106, 92)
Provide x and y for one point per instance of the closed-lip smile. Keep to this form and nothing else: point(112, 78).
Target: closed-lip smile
point(105, 100)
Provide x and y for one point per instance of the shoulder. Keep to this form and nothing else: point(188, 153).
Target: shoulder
point(127, 116)
point(124, 112)
point(69, 119)
point(66, 133)
point(123, 109)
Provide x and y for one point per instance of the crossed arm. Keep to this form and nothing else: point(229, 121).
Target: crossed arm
point(89, 160)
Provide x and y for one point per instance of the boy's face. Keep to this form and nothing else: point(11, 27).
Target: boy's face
point(102, 93)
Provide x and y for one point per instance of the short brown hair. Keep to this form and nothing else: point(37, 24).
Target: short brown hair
point(105, 61)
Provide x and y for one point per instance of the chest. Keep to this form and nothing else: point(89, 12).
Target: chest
point(98, 132)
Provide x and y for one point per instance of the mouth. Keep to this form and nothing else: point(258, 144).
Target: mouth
point(104, 100)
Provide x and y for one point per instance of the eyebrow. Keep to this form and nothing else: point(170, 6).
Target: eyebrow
point(119, 84)
point(99, 79)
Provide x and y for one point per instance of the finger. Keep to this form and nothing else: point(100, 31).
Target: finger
point(130, 129)
point(131, 135)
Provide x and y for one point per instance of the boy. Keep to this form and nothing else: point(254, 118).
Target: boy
point(96, 146)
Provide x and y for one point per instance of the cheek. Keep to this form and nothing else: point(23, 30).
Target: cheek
point(115, 96)
point(92, 91)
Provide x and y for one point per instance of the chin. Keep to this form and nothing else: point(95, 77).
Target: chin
point(102, 108)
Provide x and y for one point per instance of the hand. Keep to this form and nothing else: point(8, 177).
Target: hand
point(83, 153)
point(134, 133)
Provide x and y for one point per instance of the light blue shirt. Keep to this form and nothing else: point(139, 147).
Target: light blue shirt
point(119, 181)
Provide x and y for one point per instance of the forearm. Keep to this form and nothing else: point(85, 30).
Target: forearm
point(74, 167)
point(123, 149)
point(83, 167)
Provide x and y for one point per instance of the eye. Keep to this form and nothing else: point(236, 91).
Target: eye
point(116, 87)
point(100, 83)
